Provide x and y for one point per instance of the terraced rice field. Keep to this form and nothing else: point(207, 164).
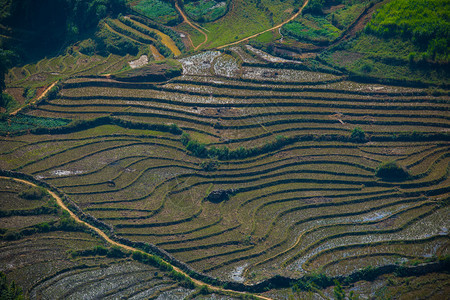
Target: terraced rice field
point(45, 264)
point(312, 204)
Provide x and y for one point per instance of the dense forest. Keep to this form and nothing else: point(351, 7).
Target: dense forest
point(33, 29)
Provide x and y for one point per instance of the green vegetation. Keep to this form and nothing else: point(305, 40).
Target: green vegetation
point(114, 43)
point(323, 22)
point(391, 170)
point(292, 154)
point(358, 135)
point(313, 29)
point(160, 11)
point(405, 41)
point(246, 18)
point(33, 193)
point(206, 10)
point(22, 122)
point(42, 28)
point(9, 290)
point(423, 22)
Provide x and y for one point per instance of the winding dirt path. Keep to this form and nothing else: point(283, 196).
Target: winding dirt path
point(60, 202)
point(185, 19)
point(270, 29)
point(34, 101)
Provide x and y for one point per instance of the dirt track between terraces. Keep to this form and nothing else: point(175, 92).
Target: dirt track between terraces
point(270, 29)
point(185, 18)
point(60, 202)
point(37, 99)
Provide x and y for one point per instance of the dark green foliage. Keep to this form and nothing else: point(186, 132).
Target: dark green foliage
point(158, 10)
point(9, 291)
point(358, 135)
point(182, 279)
point(7, 102)
point(200, 150)
point(45, 26)
point(424, 22)
point(116, 252)
point(22, 122)
point(69, 224)
point(313, 29)
point(314, 7)
point(312, 281)
point(53, 92)
point(206, 11)
point(43, 227)
point(29, 93)
point(210, 165)
point(111, 43)
point(88, 47)
point(204, 290)
point(185, 138)
point(338, 291)
point(79, 125)
point(33, 193)
point(174, 129)
point(151, 260)
point(6, 61)
point(392, 171)
point(113, 252)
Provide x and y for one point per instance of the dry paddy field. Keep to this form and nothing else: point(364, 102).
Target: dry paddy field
point(50, 257)
point(311, 204)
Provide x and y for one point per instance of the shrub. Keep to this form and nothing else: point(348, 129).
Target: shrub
point(9, 290)
point(33, 193)
point(210, 165)
point(358, 135)
point(392, 171)
point(116, 252)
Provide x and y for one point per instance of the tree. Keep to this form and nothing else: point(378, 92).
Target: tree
point(6, 57)
point(9, 291)
point(392, 171)
point(338, 291)
point(358, 135)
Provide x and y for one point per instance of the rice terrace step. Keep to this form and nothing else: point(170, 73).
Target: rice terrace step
point(225, 149)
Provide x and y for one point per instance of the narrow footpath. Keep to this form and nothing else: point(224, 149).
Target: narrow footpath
point(34, 101)
point(185, 18)
point(60, 202)
point(270, 29)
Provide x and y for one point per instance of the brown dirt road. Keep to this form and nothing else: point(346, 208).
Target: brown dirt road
point(270, 29)
point(37, 99)
point(110, 241)
point(185, 18)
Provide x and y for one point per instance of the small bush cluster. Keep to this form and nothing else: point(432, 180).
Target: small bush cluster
point(200, 150)
point(9, 291)
point(113, 252)
point(33, 193)
point(392, 171)
point(206, 11)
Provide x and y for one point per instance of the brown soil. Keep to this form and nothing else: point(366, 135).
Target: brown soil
point(103, 235)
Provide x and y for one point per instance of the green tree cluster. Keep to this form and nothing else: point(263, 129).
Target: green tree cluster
point(9, 291)
point(391, 170)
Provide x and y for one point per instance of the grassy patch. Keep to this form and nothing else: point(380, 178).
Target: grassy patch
point(424, 23)
point(158, 10)
point(312, 29)
point(206, 11)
